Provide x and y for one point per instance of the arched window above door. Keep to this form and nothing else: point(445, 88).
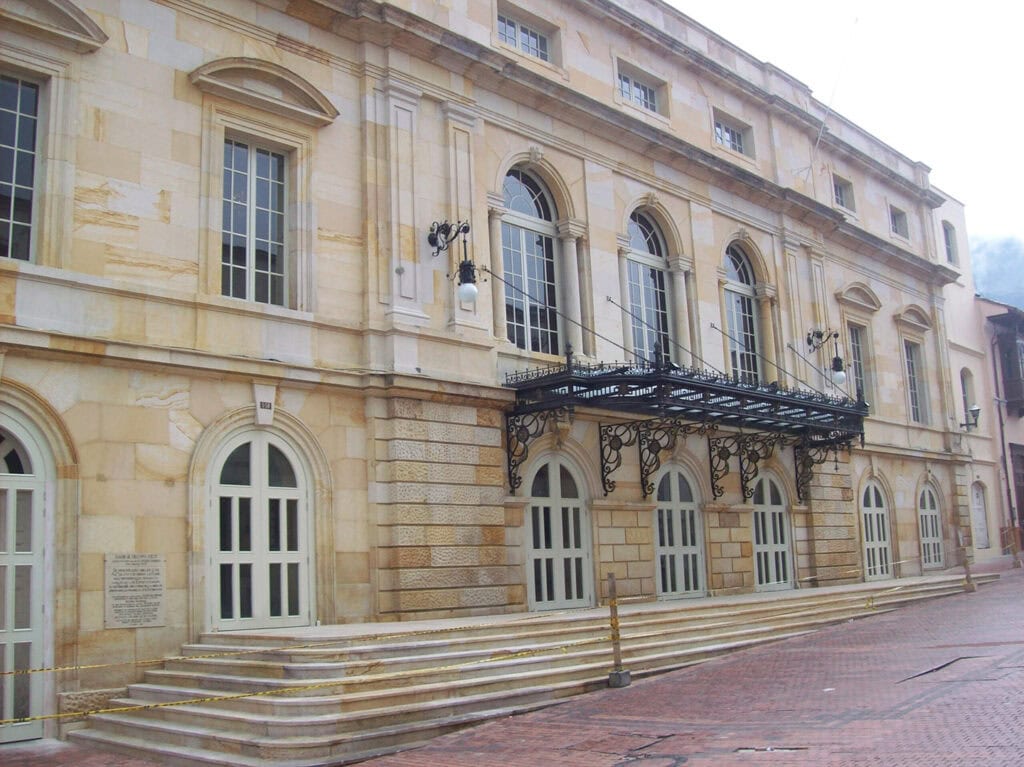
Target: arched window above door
point(742, 324)
point(649, 298)
point(528, 241)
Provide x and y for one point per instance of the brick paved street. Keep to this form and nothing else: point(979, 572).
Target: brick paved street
point(847, 696)
point(938, 684)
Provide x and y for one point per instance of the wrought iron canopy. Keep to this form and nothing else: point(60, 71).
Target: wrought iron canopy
point(659, 391)
point(665, 398)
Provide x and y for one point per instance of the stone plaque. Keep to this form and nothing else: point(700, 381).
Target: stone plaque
point(135, 591)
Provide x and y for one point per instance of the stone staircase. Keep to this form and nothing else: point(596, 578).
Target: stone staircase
point(340, 694)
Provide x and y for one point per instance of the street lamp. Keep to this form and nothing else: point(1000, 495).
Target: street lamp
point(441, 235)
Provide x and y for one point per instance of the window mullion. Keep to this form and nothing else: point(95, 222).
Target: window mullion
point(250, 234)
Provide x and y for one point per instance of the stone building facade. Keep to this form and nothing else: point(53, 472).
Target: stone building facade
point(227, 345)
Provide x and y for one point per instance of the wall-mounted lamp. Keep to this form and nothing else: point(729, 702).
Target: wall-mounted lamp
point(442, 235)
point(973, 412)
point(817, 339)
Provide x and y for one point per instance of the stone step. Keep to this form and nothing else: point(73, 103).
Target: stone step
point(550, 654)
point(437, 677)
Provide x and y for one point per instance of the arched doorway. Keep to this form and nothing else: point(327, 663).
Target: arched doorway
point(678, 538)
point(979, 517)
point(558, 557)
point(773, 568)
point(875, 528)
point(261, 536)
point(22, 572)
point(931, 528)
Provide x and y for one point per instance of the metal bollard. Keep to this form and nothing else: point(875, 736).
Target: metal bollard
point(618, 677)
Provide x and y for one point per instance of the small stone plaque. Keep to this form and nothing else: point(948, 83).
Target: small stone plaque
point(135, 591)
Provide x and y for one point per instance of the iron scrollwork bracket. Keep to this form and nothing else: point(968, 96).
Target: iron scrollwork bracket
point(754, 449)
point(751, 449)
point(658, 436)
point(720, 450)
point(520, 430)
point(807, 455)
point(614, 437)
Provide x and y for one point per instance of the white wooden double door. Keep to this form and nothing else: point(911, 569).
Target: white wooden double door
point(22, 488)
point(260, 573)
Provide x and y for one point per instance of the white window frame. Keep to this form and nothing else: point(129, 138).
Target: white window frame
point(22, 153)
point(641, 90)
point(916, 381)
point(52, 214)
point(523, 37)
point(859, 358)
point(842, 193)
point(278, 279)
point(929, 519)
point(734, 295)
point(639, 264)
point(637, 92)
point(876, 533)
point(679, 555)
point(731, 134)
point(772, 521)
point(295, 144)
point(563, 546)
point(548, 229)
point(899, 223)
point(949, 241)
point(260, 555)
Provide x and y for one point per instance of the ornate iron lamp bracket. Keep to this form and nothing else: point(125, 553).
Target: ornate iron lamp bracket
point(520, 430)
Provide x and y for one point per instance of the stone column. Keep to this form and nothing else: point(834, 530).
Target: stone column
point(680, 269)
point(495, 210)
point(765, 295)
point(627, 321)
point(569, 232)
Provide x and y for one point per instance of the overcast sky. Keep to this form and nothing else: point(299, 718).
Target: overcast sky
point(939, 82)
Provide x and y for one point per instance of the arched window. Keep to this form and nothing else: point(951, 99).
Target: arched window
point(648, 290)
point(931, 528)
point(949, 238)
point(741, 317)
point(528, 256)
point(967, 393)
point(678, 531)
point(875, 523)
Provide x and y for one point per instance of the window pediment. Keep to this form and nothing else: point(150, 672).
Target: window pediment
point(859, 296)
point(267, 86)
point(59, 21)
point(913, 317)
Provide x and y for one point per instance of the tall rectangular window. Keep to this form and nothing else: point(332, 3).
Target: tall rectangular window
point(857, 372)
point(253, 236)
point(19, 117)
point(912, 352)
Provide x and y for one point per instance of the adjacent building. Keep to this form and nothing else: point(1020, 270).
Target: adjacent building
point(330, 311)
